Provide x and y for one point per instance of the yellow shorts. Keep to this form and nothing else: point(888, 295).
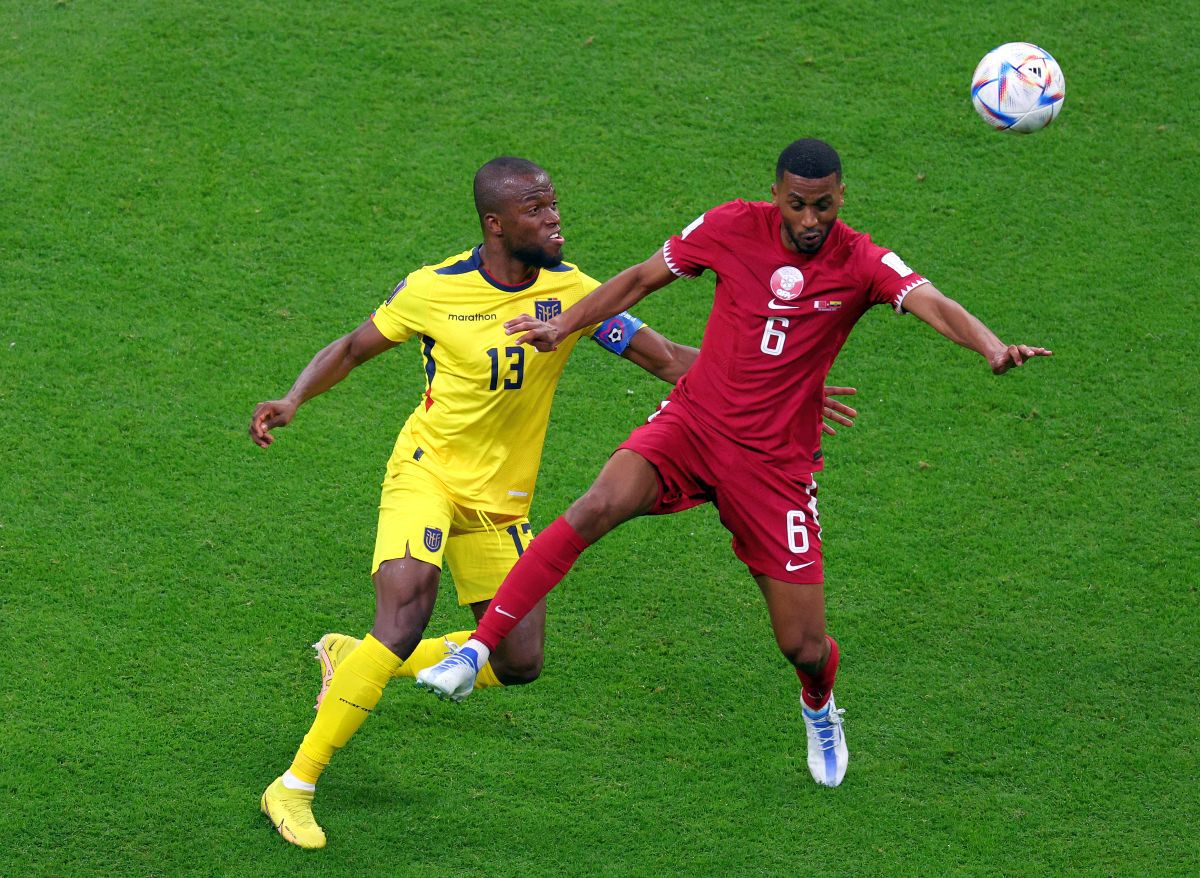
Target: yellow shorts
point(418, 514)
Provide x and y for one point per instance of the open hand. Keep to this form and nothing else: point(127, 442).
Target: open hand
point(836, 411)
point(540, 334)
point(1015, 355)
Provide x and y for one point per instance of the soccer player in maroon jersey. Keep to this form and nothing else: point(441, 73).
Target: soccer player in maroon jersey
point(742, 428)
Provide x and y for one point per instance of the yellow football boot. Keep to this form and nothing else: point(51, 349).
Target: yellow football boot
point(290, 812)
point(331, 649)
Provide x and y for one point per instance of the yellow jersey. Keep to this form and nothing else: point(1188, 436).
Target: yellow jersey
point(482, 421)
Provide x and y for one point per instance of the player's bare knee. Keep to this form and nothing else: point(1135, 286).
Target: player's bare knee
point(595, 513)
point(518, 670)
point(806, 651)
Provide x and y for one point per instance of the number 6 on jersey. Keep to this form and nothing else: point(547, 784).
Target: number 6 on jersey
point(773, 336)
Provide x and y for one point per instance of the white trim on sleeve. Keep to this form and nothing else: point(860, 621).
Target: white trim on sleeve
point(904, 292)
point(675, 270)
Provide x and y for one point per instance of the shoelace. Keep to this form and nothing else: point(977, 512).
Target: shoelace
point(298, 811)
point(455, 660)
point(825, 728)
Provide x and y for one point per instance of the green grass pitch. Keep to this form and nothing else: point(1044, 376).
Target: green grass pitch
point(198, 196)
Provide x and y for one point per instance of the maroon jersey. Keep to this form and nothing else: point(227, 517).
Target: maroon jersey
point(777, 323)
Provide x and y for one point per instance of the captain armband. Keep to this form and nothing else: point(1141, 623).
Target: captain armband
point(617, 332)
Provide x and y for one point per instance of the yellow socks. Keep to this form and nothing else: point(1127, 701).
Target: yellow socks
point(353, 694)
point(361, 673)
point(432, 650)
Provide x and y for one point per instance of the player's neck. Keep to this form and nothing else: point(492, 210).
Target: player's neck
point(502, 267)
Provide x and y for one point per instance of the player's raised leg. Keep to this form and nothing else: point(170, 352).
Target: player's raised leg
point(333, 648)
point(405, 591)
point(517, 660)
point(626, 487)
point(798, 619)
point(479, 562)
point(479, 558)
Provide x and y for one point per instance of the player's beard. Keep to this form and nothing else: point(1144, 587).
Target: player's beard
point(804, 247)
point(538, 257)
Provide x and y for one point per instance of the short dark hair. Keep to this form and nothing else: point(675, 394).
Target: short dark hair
point(492, 181)
point(809, 158)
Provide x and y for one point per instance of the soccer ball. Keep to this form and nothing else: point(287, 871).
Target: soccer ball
point(1018, 87)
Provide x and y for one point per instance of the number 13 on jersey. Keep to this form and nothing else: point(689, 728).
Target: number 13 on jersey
point(514, 359)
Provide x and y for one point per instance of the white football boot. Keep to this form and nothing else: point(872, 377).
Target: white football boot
point(827, 753)
point(454, 676)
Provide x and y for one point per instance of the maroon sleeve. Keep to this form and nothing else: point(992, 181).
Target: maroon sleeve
point(693, 250)
point(887, 278)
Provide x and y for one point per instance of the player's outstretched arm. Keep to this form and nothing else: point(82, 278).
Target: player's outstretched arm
point(660, 356)
point(331, 364)
point(612, 297)
point(668, 360)
point(960, 326)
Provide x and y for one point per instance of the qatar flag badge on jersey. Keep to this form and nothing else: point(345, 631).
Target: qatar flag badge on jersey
point(787, 282)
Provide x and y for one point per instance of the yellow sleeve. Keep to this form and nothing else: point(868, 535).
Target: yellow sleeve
point(402, 315)
point(588, 284)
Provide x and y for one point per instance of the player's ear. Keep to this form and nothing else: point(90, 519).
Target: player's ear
point(774, 191)
point(492, 225)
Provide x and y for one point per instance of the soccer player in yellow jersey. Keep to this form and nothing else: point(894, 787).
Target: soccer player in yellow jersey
point(461, 476)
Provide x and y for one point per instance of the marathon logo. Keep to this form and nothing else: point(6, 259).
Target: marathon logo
point(471, 318)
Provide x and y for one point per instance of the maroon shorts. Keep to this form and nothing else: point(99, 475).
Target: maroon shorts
point(771, 513)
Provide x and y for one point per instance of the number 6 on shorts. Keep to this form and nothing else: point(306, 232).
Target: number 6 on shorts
point(796, 528)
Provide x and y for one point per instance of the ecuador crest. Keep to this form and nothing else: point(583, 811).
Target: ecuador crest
point(546, 309)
